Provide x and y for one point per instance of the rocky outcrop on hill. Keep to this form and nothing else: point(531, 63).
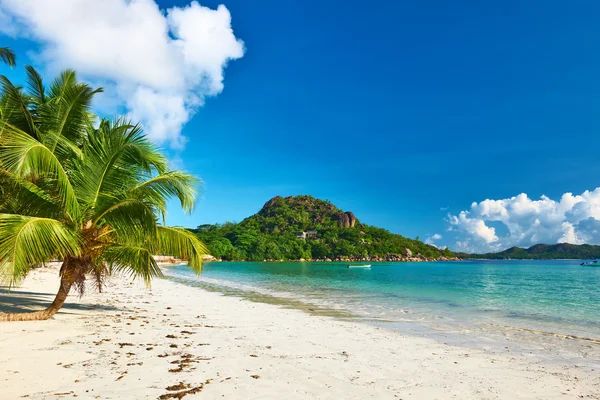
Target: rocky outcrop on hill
point(271, 203)
point(347, 219)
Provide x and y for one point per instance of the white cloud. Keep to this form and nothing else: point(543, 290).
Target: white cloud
point(161, 63)
point(573, 219)
point(475, 227)
point(431, 239)
point(8, 26)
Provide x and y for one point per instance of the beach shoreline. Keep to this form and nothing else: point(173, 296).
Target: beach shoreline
point(559, 345)
point(134, 343)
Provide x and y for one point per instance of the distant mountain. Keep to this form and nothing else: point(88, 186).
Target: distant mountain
point(303, 227)
point(543, 252)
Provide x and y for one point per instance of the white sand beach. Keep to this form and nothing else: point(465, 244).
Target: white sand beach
point(175, 341)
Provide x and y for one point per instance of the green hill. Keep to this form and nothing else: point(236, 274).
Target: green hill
point(303, 227)
point(543, 252)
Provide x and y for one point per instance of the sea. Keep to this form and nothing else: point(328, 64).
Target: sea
point(547, 310)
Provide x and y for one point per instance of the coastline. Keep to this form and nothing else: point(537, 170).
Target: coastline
point(441, 259)
point(311, 260)
point(133, 342)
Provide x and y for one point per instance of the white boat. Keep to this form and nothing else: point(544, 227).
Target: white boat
point(359, 266)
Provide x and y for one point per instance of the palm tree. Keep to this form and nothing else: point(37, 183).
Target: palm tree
point(86, 191)
point(7, 56)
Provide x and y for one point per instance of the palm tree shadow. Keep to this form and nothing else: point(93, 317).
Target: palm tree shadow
point(17, 301)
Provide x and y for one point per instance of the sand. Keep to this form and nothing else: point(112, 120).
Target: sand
point(173, 340)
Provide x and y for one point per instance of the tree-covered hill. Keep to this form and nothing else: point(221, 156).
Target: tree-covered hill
point(303, 227)
point(542, 252)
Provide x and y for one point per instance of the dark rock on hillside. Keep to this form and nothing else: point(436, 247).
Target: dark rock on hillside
point(352, 218)
point(272, 202)
point(347, 219)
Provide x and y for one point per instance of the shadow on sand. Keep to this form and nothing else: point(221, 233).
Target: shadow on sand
point(17, 301)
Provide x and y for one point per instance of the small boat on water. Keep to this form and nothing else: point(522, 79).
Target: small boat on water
point(359, 266)
point(593, 263)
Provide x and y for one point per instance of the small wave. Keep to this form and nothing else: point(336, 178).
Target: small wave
point(543, 333)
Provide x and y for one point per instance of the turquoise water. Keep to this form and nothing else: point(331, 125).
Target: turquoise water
point(485, 297)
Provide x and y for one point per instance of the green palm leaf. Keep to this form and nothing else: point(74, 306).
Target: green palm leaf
point(66, 111)
point(7, 56)
point(117, 157)
point(169, 184)
point(16, 107)
point(136, 261)
point(181, 243)
point(26, 198)
point(130, 221)
point(35, 85)
point(27, 158)
point(30, 241)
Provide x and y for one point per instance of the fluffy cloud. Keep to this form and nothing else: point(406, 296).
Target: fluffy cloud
point(573, 219)
point(160, 63)
point(433, 238)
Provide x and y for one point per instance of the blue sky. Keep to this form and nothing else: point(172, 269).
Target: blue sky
point(403, 112)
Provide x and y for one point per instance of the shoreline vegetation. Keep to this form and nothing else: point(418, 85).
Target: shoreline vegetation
point(560, 251)
point(175, 340)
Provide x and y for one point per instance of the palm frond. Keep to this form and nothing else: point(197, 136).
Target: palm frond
point(15, 107)
point(67, 78)
point(27, 158)
point(160, 188)
point(35, 85)
point(131, 221)
point(64, 148)
point(67, 116)
point(135, 260)
point(7, 56)
point(66, 109)
point(22, 197)
point(181, 243)
point(117, 157)
point(29, 241)
point(146, 155)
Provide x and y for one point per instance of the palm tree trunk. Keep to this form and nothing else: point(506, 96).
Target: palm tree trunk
point(59, 300)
